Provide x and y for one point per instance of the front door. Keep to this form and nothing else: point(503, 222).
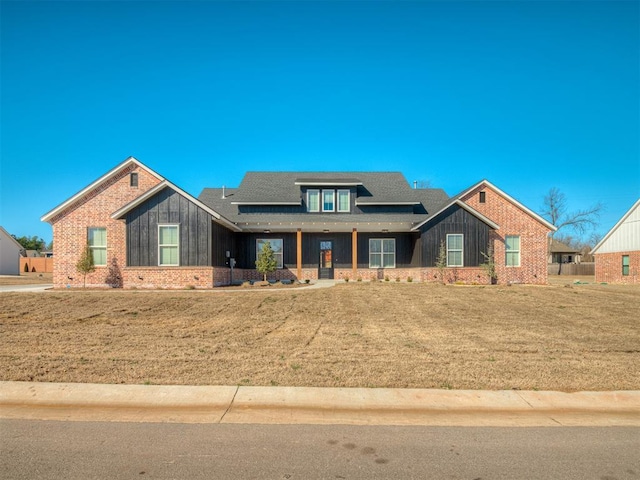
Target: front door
point(326, 260)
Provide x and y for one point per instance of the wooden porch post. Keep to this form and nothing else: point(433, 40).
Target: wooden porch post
point(354, 253)
point(299, 255)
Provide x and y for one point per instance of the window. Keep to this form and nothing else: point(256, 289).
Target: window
point(483, 197)
point(276, 246)
point(133, 180)
point(328, 200)
point(512, 249)
point(625, 265)
point(382, 253)
point(97, 239)
point(454, 250)
point(313, 200)
point(343, 201)
point(168, 246)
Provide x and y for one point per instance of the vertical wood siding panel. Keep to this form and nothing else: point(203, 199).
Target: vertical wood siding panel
point(455, 220)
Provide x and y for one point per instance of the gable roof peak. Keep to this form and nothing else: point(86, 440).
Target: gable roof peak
point(122, 165)
point(527, 210)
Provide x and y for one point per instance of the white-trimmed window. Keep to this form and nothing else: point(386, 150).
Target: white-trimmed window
point(455, 242)
point(276, 246)
point(512, 250)
point(382, 253)
point(313, 200)
point(625, 265)
point(168, 245)
point(328, 200)
point(97, 239)
point(344, 201)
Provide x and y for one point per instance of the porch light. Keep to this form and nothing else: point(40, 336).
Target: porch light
point(326, 230)
point(266, 231)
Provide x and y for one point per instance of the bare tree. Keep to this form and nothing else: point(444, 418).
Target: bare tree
point(555, 209)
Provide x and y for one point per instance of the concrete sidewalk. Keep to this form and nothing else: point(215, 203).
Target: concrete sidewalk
point(38, 287)
point(301, 405)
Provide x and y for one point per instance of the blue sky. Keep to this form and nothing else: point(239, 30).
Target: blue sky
point(530, 95)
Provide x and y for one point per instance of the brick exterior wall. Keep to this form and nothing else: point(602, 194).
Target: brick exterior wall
point(513, 221)
point(609, 267)
point(168, 277)
point(94, 210)
point(246, 274)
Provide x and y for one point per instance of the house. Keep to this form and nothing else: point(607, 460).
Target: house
point(562, 253)
point(146, 232)
point(617, 255)
point(9, 254)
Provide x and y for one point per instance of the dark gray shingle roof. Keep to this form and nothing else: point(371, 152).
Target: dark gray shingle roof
point(280, 187)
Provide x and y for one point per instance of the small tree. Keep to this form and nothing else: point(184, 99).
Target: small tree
point(85, 264)
point(489, 265)
point(441, 261)
point(266, 262)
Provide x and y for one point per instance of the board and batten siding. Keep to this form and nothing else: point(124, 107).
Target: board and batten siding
point(455, 220)
point(169, 207)
point(626, 236)
point(340, 249)
point(246, 254)
point(407, 253)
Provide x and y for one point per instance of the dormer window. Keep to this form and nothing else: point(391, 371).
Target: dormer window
point(313, 200)
point(343, 201)
point(328, 200)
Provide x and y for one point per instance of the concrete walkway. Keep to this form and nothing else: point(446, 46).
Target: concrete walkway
point(40, 287)
point(302, 405)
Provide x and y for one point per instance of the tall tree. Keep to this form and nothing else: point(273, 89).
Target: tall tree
point(556, 211)
point(31, 243)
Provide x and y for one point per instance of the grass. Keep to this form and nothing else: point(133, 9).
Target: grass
point(360, 334)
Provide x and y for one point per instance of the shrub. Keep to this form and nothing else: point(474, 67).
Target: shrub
point(409, 279)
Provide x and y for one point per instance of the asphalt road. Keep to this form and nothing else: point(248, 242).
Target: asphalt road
point(88, 450)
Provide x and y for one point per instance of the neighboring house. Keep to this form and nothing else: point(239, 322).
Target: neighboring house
point(617, 255)
point(10, 251)
point(562, 253)
point(146, 232)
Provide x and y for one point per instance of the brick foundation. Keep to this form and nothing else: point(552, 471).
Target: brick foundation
point(168, 277)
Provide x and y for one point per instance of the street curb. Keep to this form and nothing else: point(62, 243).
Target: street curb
point(290, 405)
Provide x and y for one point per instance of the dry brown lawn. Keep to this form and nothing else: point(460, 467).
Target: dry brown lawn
point(26, 279)
point(581, 337)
